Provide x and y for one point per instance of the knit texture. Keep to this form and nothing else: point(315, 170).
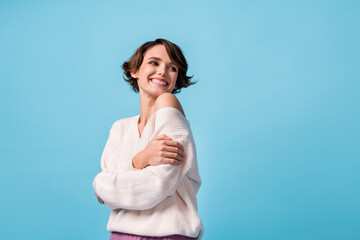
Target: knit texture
point(157, 200)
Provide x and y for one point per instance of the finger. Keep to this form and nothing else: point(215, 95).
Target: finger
point(174, 156)
point(162, 136)
point(171, 161)
point(175, 144)
point(181, 147)
point(176, 150)
point(159, 136)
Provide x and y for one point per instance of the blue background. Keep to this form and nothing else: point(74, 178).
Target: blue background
point(275, 114)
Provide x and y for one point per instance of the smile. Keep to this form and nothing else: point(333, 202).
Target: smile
point(158, 82)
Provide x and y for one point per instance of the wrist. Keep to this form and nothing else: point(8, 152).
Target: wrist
point(137, 162)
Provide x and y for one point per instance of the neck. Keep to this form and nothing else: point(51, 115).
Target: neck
point(147, 108)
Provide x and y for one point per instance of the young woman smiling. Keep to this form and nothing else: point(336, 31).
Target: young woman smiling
point(150, 176)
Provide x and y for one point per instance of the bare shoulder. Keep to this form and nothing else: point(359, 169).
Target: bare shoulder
point(168, 100)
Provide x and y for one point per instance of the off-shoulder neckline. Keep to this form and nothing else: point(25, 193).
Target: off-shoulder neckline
point(152, 116)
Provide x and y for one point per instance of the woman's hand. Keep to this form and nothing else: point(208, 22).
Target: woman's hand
point(99, 199)
point(160, 150)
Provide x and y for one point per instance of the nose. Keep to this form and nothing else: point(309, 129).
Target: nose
point(161, 70)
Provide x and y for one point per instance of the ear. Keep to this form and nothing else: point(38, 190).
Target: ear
point(134, 74)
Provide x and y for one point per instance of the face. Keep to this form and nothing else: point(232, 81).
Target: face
point(157, 73)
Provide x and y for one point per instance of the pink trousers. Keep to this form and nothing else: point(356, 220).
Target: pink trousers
point(126, 236)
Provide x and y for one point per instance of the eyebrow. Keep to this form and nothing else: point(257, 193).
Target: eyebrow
point(159, 59)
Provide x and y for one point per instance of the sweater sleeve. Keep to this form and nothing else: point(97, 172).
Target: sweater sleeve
point(143, 189)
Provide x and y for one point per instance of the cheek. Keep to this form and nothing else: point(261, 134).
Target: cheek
point(148, 68)
point(147, 72)
point(144, 70)
point(175, 77)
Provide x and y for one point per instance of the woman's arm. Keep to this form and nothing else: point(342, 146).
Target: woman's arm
point(143, 189)
point(160, 150)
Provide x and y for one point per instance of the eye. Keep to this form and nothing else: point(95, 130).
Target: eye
point(151, 62)
point(173, 68)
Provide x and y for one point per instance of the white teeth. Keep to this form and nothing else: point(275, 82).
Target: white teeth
point(158, 81)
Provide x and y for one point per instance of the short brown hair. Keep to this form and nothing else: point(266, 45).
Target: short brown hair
point(175, 54)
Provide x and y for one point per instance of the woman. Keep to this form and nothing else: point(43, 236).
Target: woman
point(149, 176)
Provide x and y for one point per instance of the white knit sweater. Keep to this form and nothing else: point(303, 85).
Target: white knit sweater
point(157, 200)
